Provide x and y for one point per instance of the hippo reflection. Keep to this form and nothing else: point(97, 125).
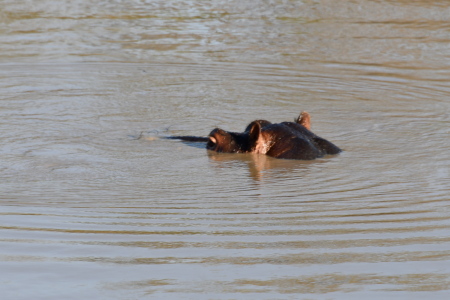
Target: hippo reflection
point(287, 140)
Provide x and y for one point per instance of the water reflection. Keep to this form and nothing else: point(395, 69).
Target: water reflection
point(262, 167)
point(91, 209)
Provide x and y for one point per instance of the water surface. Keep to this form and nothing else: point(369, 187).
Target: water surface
point(96, 204)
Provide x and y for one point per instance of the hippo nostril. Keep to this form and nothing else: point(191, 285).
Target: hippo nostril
point(212, 142)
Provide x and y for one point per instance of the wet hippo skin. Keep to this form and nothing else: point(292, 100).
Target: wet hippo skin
point(287, 140)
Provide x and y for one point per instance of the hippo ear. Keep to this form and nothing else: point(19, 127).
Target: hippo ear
point(254, 133)
point(305, 120)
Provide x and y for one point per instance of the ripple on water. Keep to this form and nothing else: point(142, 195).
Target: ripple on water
point(89, 210)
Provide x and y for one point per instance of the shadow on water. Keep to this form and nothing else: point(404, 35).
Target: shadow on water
point(259, 166)
point(199, 145)
point(89, 213)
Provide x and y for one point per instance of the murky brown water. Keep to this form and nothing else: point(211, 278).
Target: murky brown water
point(88, 211)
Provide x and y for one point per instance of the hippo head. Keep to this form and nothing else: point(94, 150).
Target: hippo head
point(236, 142)
point(288, 140)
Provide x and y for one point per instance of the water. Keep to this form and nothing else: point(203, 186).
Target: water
point(95, 205)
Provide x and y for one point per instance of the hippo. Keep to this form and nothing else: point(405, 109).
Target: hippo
point(286, 140)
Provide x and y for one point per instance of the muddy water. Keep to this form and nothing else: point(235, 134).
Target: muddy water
point(95, 205)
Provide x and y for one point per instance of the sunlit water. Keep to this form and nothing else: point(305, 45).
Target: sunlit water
point(95, 204)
